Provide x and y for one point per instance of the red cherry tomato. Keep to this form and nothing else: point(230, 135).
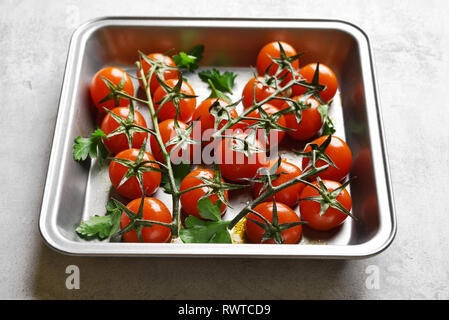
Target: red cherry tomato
point(310, 210)
point(207, 120)
point(235, 165)
point(168, 111)
point(272, 50)
point(189, 200)
point(154, 210)
point(326, 77)
point(167, 130)
point(255, 88)
point(131, 188)
point(117, 143)
point(286, 171)
point(254, 233)
point(166, 74)
point(276, 136)
point(310, 124)
point(99, 90)
point(339, 152)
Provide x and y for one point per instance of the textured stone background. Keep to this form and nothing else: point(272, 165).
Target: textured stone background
point(410, 44)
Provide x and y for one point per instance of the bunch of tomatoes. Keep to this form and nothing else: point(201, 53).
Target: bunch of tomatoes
point(282, 100)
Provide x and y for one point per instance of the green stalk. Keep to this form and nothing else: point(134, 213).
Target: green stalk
point(165, 154)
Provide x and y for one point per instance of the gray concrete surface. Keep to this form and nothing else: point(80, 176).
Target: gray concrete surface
point(411, 46)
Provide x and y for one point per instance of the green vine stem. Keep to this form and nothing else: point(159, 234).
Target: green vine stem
point(175, 192)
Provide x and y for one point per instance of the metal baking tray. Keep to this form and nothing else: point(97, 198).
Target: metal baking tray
point(74, 191)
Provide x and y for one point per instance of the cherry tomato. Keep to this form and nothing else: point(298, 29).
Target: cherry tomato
point(207, 120)
point(256, 88)
point(254, 233)
point(99, 90)
point(326, 77)
point(168, 111)
point(154, 210)
point(167, 130)
point(235, 165)
point(166, 74)
point(117, 143)
point(286, 171)
point(131, 188)
point(189, 200)
point(339, 152)
point(310, 210)
point(276, 136)
point(272, 50)
point(310, 124)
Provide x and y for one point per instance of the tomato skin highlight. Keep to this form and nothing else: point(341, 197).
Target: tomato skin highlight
point(203, 116)
point(167, 130)
point(235, 165)
point(131, 189)
point(189, 200)
point(288, 196)
point(326, 77)
point(272, 50)
point(155, 210)
point(167, 74)
point(340, 154)
point(99, 90)
point(118, 143)
point(254, 233)
point(168, 110)
point(255, 87)
point(310, 124)
point(310, 210)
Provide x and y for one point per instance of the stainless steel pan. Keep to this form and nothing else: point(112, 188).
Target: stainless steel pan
point(74, 191)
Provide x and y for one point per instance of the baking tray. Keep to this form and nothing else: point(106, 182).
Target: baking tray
point(74, 191)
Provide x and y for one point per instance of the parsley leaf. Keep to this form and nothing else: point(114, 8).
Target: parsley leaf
point(101, 227)
point(190, 59)
point(200, 231)
point(179, 173)
point(92, 147)
point(223, 82)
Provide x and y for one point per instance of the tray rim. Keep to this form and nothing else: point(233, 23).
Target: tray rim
point(57, 242)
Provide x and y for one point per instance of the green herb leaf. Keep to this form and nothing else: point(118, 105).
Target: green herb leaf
point(189, 60)
point(200, 231)
point(222, 82)
point(92, 147)
point(179, 173)
point(209, 210)
point(101, 227)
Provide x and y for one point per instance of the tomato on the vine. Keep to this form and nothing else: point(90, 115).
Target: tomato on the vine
point(203, 116)
point(99, 90)
point(168, 110)
point(276, 136)
point(272, 50)
point(119, 142)
point(189, 200)
point(332, 217)
point(258, 89)
point(154, 210)
point(131, 188)
point(166, 74)
point(311, 121)
point(326, 77)
point(236, 163)
point(286, 172)
point(255, 233)
point(168, 131)
point(340, 154)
